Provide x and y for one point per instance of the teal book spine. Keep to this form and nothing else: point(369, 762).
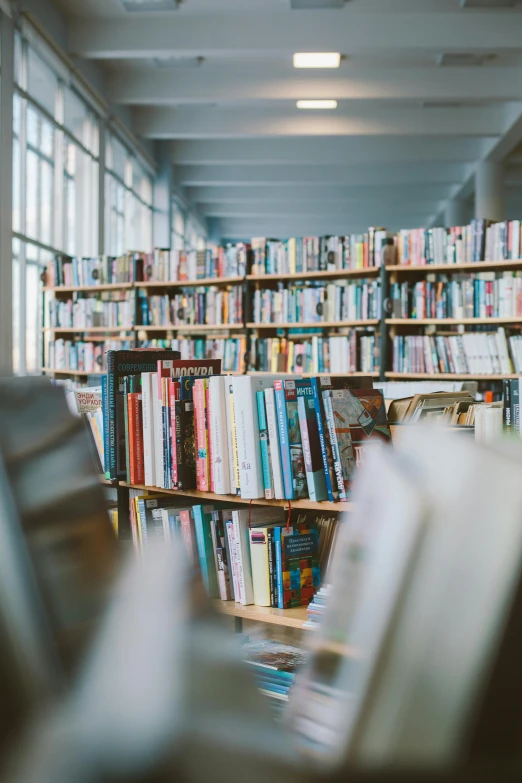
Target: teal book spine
point(202, 520)
point(284, 440)
point(268, 482)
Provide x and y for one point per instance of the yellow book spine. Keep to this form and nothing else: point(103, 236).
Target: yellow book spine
point(291, 255)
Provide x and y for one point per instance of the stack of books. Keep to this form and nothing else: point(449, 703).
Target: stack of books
point(314, 302)
point(316, 608)
point(484, 295)
point(481, 353)
point(317, 254)
point(181, 426)
point(275, 666)
point(355, 351)
point(204, 305)
point(107, 308)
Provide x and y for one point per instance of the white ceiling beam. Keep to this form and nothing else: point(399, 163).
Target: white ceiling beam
point(362, 176)
point(321, 192)
point(328, 151)
point(259, 34)
point(218, 122)
point(381, 213)
point(228, 84)
point(283, 227)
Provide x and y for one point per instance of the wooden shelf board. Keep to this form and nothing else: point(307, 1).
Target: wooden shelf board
point(316, 325)
point(451, 321)
point(71, 372)
point(87, 329)
point(65, 289)
point(441, 376)
point(187, 328)
point(470, 266)
point(292, 618)
point(190, 283)
point(304, 504)
point(335, 274)
point(315, 374)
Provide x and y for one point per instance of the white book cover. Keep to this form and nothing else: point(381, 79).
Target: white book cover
point(242, 519)
point(247, 431)
point(234, 562)
point(503, 352)
point(230, 437)
point(218, 433)
point(158, 431)
point(273, 439)
point(148, 429)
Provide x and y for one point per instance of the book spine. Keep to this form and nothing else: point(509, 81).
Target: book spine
point(173, 418)
point(247, 435)
point(284, 443)
point(233, 559)
point(218, 435)
point(200, 433)
point(515, 407)
point(148, 429)
point(157, 415)
point(322, 438)
point(243, 557)
point(273, 440)
point(235, 458)
point(111, 408)
point(210, 462)
point(278, 566)
point(265, 448)
point(271, 566)
point(132, 408)
point(187, 535)
point(106, 440)
point(165, 432)
point(258, 539)
point(507, 405)
point(205, 550)
point(186, 457)
point(330, 423)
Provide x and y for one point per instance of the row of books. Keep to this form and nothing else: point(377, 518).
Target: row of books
point(275, 666)
point(205, 305)
point(353, 352)
point(472, 352)
point(485, 295)
point(256, 436)
point(317, 254)
point(511, 389)
point(88, 357)
point(213, 262)
point(312, 303)
point(230, 350)
point(100, 270)
point(108, 308)
point(453, 245)
point(243, 555)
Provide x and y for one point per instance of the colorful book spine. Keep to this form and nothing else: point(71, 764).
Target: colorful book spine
point(328, 470)
point(315, 478)
point(272, 567)
point(200, 433)
point(136, 466)
point(284, 441)
point(202, 524)
point(338, 468)
point(188, 536)
point(105, 404)
point(266, 463)
point(172, 433)
point(273, 440)
point(278, 566)
point(208, 414)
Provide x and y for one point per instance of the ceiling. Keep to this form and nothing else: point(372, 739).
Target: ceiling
point(405, 139)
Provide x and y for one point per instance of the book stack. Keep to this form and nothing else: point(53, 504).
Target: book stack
point(101, 270)
point(481, 353)
point(80, 355)
point(314, 302)
point(317, 254)
point(205, 305)
point(316, 608)
point(107, 308)
point(484, 295)
point(275, 666)
point(346, 353)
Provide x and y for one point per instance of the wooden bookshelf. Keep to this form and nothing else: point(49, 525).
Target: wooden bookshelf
point(477, 266)
point(189, 328)
point(190, 283)
point(452, 321)
point(86, 329)
point(315, 325)
point(358, 374)
point(337, 274)
point(68, 289)
point(291, 618)
point(65, 371)
point(304, 504)
point(442, 376)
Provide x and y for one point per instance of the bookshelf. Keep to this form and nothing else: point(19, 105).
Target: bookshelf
point(314, 324)
point(426, 376)
point(190, 328)
point(65, 371)
point(337, 274)
point(289, 618)
point(202, 281)
point(472, 266)
point(86, 329)
point(452, 321)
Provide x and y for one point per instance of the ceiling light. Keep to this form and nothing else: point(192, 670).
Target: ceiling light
point(317, 60)
point(317, 104)
point(150, 5)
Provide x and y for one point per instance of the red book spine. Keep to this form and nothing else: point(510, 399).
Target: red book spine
point(137, 465)
point(201, 436)
point(208, 419)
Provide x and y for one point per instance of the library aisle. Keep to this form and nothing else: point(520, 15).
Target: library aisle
point(260, 384)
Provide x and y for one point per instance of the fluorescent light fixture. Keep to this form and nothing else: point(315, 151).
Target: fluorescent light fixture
point(317, 104)
point(317, 60)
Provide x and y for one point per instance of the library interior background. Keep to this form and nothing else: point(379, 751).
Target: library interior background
point(260, 388)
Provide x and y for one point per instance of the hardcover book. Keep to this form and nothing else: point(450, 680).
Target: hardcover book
point(300, 569)
point(315, 477)
point(360, 419)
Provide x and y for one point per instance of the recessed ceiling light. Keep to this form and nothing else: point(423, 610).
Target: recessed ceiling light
point(317, 60)
point(317, 104)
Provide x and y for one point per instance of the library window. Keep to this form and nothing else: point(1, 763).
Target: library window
point(178, 227)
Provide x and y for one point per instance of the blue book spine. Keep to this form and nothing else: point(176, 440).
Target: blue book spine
point(322, 441)
point(279, 566)
point(105, 406)
point(111, 413)
point(269, 685)
point(284, 440)
point(265, 447)
point(205, 550)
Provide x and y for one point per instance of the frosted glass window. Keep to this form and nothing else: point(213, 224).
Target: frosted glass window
point(42, 82)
